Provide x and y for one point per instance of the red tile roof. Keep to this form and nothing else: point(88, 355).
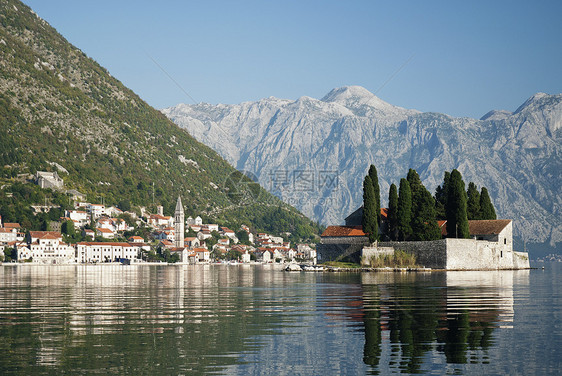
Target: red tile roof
point(481, 227)
point(104, 230)
point(343, 231)
point(12, 225)
point(384, 213)
point(41, 234)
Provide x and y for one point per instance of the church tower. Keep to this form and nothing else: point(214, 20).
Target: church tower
point(179, 224)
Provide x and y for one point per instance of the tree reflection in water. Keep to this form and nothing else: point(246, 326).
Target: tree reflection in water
point(420, 318)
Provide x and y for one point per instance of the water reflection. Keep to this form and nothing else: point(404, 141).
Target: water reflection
point(423, 315)
point(246, 320)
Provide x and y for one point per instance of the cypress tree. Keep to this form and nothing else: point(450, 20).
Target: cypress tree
point(414, 181)
point(424, 223)
point(473, 203)
point(457, 219)
point(393, 212)
point(370, 225)
point(441, 196)
point(404, 210)
point(376, 188)
point(487, 210)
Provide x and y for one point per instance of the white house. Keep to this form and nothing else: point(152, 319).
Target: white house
point(95, 252)
point(202, 254)
point(246, 257)
point(136, 239)
point(96, 210)
point(8, 235)
point(47, 247)
point(78, 216)
point(160, 221)
point(212, 227)
point(202, 235)
point(266, 256)
point(198, 221)
point(105, 233)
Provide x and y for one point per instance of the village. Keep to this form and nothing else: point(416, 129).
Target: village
point(170, 239)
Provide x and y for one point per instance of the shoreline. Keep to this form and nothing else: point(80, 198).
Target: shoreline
point(288, 267)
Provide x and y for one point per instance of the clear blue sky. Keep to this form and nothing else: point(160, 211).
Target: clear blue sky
point(462, 58)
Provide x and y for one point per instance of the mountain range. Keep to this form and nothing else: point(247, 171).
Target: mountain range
point(60, 110)
point(314, 153)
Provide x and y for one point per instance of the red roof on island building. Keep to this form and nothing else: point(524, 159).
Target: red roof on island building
point(343, 231)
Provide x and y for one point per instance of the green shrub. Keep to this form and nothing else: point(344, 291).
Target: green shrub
point(399, 259)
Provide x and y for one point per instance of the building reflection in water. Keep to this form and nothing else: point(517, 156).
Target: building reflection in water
point(410, 317)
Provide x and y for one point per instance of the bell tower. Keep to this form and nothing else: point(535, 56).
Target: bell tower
point(179, 224)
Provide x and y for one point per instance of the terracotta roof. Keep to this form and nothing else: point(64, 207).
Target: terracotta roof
point(10, 230)
point(50, 236)
point(481, 227)
point(487, 227)
point(343, 231)
point(41, 234)
point(384, 213)
point(104, 230)
point(136, 237)
point(441, 224)
point(12, 225)
point(158, 216)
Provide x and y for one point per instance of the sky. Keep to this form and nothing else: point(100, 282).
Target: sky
point(459, 58)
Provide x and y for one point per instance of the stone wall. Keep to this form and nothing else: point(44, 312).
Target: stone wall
point(430, 254)
point(463, 254)
point(450, 254)
point(521, 260)
point(338, 248)
point(369, 252)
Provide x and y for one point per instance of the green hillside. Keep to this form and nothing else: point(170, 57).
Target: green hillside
point(57, 105)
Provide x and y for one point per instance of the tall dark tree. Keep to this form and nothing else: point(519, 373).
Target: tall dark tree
point(370, 224)
point(473, 203)
point(457, 219)
point(441, 196)
point(404, 210)
point(414, 181)
point(487, 210)
point(375, 181)
point(393, 212)
point(424, 223)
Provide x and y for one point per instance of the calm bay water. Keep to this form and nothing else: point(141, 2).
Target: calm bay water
point(259, 320)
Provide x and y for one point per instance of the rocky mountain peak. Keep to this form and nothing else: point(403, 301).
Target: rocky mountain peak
point(539, 99)
point(513, 155)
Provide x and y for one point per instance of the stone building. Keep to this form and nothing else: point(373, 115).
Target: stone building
point(46, 179)
point(490, 247)
point(341, 242)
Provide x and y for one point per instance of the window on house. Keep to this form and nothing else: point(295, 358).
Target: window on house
point(501, 253)
point(505, 241)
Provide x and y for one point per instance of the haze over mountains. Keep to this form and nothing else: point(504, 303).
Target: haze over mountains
point(297, 147)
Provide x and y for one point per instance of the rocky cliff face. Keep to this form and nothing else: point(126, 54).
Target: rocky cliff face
point(314, 153)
